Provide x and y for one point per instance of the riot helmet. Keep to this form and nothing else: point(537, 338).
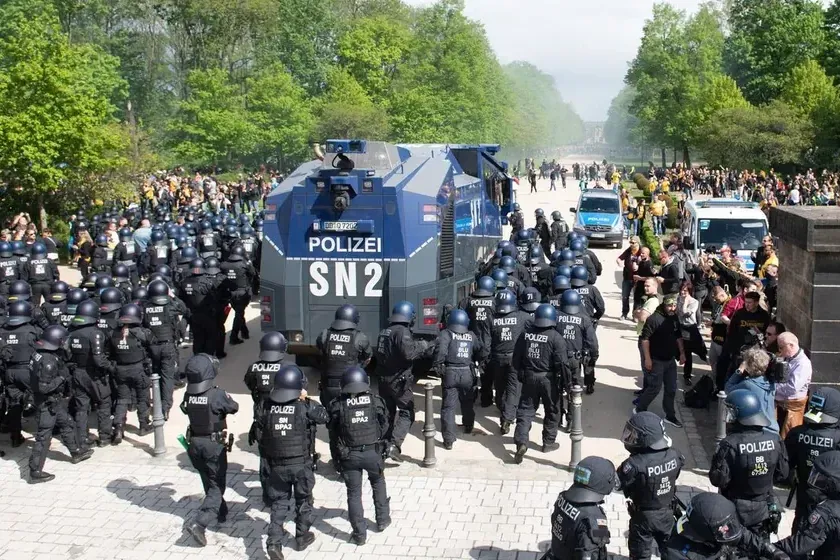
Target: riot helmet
point(206, 226)
point(273, 347)
point(74, 297)
point(580, 277)
point(645, 430)
point(508, 264)
point(121, 273)
point(556, 216)
point(139, 294)
point(555, 257)
point(90, 281)
point(103, 281)
point(458, 321)
point(346, 317)
point(19, 248)
point(710, 518)
point(594, 478)
point(87, 313)
point(505, 302)
point(535, 255)
point(509, 250)
point(567, 258)
point(5, 249)
point(825, 474)
point(164, 270)
point(231, 232)
point(823, 406)
point(403, 312)
point(187, 255)
point(18, 313)
point(201, 371)
point(212, 265)
point(529, 299)
point(59, 291)
point(237, 253)
point(125, 234)
point(539, 213)
point(545, 316)
point(523, 237)
point(110, 300)
point(19, 290)
point(577, 247)
point(744, 408)
point(52, 338)
point(500, 277)
point(563, 270)
point(288, 384)
point(197, 267)
point(560, 284)
point(102, 240)
point(570, 302)
point(485, 287)
point(38, 250)
point(157, 237)
point(355, 380)
point(131, 314)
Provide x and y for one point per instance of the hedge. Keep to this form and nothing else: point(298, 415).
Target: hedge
point(650, 240)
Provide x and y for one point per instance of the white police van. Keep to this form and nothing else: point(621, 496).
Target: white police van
point(722, 222)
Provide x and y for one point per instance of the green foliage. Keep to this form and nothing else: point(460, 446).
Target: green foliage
point(769, 39)
point(808, 87)
point(650, 240)
point(831, 53)
point(346, 111)
point(756, 137)
point(56, 115)
point(621, 122)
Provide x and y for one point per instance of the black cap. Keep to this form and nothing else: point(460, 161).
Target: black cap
point(594, 478)
point(201, 371)
point(273, 347)
point(823, 406)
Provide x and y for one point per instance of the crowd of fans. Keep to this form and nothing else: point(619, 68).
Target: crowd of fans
point(179, 189)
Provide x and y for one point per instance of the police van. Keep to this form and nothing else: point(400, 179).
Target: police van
point(720, 222)
point(372, 223)
point(598, 216)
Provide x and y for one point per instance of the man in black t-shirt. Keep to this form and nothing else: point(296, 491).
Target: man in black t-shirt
point(669, 274)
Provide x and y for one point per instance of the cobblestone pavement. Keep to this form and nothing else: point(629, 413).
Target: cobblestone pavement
point(124, 503)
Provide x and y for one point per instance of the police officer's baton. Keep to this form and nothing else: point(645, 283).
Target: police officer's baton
point(229, 444)
point(792, 492)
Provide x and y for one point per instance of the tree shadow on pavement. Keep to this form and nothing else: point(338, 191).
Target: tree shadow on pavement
point(617, 400)
point(483, 552)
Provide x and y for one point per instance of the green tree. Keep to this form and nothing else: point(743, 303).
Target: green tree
point(756, 137)
point(282, 115)
point(212, 124)
point(56, 115)
point(808, 87)
point(831, 53)
point(346, 111)
point(769, 39)
point(618, 130)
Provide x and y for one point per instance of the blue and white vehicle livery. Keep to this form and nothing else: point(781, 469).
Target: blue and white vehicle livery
point(598, 216)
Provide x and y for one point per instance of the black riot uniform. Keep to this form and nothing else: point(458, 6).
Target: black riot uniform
point(538, 269)
point(710, 530)
point(109, 310)
point(196, 291)
point(158, 253)
point(507, 326)
point(559, 228)
point(581, 342)
point(458, 350)
point(102, 257)
point(9, 268)
point(91, 369)
point(55, 307)
point(130, 348)
point(283, 433)
point(479, 307)
point(395, 353)
point(260, 375)
point(17, 343)
point(161, 318)
point(209, 242)
point(540, 358)
point(207, 407)
point(126, 253)
point(819, 434)
point(648, 479)
point(819, 533)
point(358, 423)
point(579, 529)
point(20, 290)
point(239, 276)
point(583, 259)
point(40, 272)
point(51, 385)
point(517, 221)
point(747, 462)
point(593, 303)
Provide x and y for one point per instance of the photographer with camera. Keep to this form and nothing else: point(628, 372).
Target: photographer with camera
point(746, 327)
point(755, 373)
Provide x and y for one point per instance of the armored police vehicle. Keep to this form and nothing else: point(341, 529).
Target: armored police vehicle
point(374, 223)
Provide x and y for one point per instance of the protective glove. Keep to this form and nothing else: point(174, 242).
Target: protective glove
point(252, 435)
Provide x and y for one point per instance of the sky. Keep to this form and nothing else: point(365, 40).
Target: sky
point(585, 44)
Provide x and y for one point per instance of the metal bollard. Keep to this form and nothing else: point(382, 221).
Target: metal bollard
point(157, 416)
point(721, 417)
point(429, 460)
point(576, 429)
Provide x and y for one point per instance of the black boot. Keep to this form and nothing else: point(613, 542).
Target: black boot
point(145, 429)
point(274, 552)
point(117, 436)
point(81, 455)
point(36, 477)
point(504, 428)
point(520, 453)
point(303, 541)
point(17, 440)
point(197, 532)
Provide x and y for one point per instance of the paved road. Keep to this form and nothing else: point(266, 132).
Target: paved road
point(124, 503)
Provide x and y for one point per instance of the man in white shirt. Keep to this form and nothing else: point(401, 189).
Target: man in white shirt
point(792, 396)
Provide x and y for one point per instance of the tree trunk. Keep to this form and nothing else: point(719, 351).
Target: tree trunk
point(42, 212)
point(686, 156)
point(674, 161)
point(664, 158)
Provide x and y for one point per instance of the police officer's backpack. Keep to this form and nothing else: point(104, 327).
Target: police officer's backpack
point(701, 394)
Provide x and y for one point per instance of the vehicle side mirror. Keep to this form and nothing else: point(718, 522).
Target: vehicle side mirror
point(573, 210)
point(688, 243)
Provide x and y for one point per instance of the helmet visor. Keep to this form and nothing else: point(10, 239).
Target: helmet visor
point(820, 481)
point(731, 414)
point(630, 436)
point(816, 411)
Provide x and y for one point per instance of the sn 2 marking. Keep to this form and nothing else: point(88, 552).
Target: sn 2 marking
point(346, 279)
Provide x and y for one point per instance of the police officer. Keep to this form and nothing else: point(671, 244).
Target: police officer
point(122, 280)
point(820, 531)
point(90, 367)
point(139, 295)
point(579, 529)
point(110, 303)
point(207, 407)
point(239, 277)
point(282, 430)
point(559, 229)
point(161, 319)
point(648, 479)
point(504, 282)
point(20, 290)
point(710, 529)
point(559, 285)
point(209, 241)
point(103, 256)
point(130, 347)
point(516, 220)
point(540, 358)
point(358, 423)
point(55, 306)
point(260, 375)
point(507, 325)
point(9, 268)
point(537, 267)
point(514, 268)
point(158, 252)
point(514, 283)
point(582, 259)
point(100, 284)
point(51, 384)
point(458, 350)
point(181, 270)
point(591, 254)
point(748, 461)
point(819, 434)
point(523, 245)
point(581, 343)
point(40, 272)
point(196, 292)
point(530, 300)
point(126, 253)
point(395, 353)
point(17, 343)
point(74, 297)
point(479, 307)
point(593, 303)
point(542, 230)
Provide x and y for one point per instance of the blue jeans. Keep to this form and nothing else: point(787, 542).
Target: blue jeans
point(626, 291)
